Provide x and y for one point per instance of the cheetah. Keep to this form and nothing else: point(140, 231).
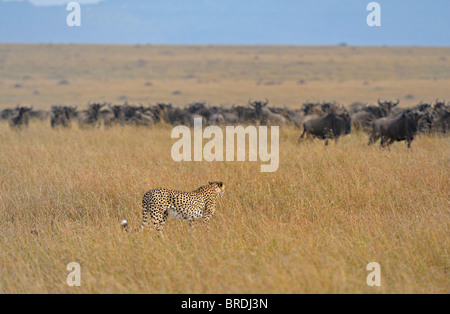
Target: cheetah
point(159, 203)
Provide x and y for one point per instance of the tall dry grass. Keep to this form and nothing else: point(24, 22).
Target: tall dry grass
point(312, 226)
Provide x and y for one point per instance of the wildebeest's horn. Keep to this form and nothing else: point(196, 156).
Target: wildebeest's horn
point(379, 101)
point(267, 102)
point(398, 101)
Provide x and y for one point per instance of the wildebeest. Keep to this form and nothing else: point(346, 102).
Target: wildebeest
point(230, 115)
point(401, 127)
point(144, 117)
point(265, 115)
point(58, 117)
point(245, 114)
point(364, 118)
point(115, 116)
point(90, 117)
point(39, 114)
point(319, 108)
point(21, 118)
point(295, 117)
point(331, 126)
point(441, 121)
point(61, 116)
point(7, 114)
point(161, 111)
point(216, 118)
point(310, 108)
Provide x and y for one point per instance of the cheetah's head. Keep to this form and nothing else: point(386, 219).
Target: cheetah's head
point(219, 188)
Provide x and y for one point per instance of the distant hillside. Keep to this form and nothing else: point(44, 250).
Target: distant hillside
point(45, 75)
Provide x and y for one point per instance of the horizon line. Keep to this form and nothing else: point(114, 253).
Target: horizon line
point(223, 45)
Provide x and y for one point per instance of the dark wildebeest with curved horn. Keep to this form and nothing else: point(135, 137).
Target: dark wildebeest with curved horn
point(331, 126)
point(61, 116)
point(21, 119)
point(265, 115)
point(387, 105)
point(401, 127)
point(364, 118)
point(91, 116)
point(441, 122)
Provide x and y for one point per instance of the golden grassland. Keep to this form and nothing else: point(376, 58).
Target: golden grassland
point(312, 226)
point(45, 75)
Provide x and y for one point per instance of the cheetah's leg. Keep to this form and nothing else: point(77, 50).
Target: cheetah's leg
point(208, 214)
point(206, 220)
point(159, 217)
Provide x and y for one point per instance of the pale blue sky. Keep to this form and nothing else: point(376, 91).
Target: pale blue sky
point(54, 2)
point(286, 22)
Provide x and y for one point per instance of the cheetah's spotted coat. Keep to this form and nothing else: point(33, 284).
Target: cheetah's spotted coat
point(158, 204)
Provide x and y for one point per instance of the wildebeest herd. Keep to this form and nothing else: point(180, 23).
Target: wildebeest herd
point(324, 120)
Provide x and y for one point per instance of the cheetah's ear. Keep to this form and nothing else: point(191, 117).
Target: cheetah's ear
point(210, 183)
point(220, 184)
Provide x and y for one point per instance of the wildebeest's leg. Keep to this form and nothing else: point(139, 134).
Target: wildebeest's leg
point(303, 134)
point(408, 141)
point(383, 141)
point(328, 135)
point(391, 141)
point(373, 138)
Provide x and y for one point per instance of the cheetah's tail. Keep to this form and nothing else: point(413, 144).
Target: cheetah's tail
point(124, 225)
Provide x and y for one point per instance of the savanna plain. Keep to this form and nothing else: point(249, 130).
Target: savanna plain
point(310, 227)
